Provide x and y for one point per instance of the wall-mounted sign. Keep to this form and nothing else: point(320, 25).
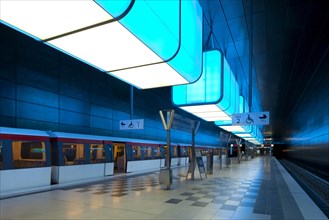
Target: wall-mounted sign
point(182, 123)
point(251, 118)
point(131, 124)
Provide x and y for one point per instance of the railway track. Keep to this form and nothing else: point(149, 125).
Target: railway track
point(315, 187)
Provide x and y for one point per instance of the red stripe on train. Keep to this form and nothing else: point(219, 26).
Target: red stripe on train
point(76, 140)
point(21, 137)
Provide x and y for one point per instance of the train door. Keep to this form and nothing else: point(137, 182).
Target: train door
point(165, 152)
point(1, 157)
point(189, 154)
point(120, 158)
point(179, 154)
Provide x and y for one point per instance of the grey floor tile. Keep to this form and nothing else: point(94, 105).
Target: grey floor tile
point(191, 198)
point(229, 207)
point(186, 194)
point(200, 204)
point(174, 201)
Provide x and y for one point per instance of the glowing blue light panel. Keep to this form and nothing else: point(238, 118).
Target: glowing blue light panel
point(143, 42)
point(240, 131)
point(239, 103)
point(249, 131)
point(149, 19)
point(215, 95)
point(234, 104)
point(255, 137)
point(208, 88)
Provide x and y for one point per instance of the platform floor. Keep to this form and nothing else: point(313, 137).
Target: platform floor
point(258, 188)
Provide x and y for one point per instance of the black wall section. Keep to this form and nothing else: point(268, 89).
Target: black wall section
point(309, 142)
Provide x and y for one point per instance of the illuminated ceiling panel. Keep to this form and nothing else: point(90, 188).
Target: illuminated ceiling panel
point(214, 96)
point(227, 124)
point(121, 37)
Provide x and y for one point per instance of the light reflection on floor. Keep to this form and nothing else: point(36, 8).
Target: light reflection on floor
point(229, 193)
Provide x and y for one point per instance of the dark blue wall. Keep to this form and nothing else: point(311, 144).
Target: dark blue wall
point(42, 88)
point(309, 139)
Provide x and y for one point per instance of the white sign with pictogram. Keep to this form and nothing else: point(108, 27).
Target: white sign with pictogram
point(131, 124)
point(251, 118)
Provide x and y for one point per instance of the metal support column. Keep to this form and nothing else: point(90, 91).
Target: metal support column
point(165, 176)
point(168, 156)
point(193, 162)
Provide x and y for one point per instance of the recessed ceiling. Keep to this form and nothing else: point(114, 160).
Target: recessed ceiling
point(290, 45)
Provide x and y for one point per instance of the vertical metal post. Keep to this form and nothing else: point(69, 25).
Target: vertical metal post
point(227, 150)
point(239, 149)
point(220, 149)
point(193, 151)
point(239, 153)
point(168, 158)
point(195, 128)
point(165, 176)
point(220, 157)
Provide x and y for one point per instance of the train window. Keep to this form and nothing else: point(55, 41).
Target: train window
point(136, 153)
point(97, 153)
point(184, 151)
point(157, 153)
point(204, 152)
point(110, 153)
point(73, 153)
point(146, 152)
point(174, 150)
point(1, 157)
point(28, 154)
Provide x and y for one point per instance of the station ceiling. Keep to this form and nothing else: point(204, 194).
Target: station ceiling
point(289, 47)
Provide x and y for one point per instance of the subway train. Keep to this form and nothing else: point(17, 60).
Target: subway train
point(34, 159)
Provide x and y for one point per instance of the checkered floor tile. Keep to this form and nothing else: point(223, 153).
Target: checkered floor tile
point(118, 187)
point(231, 193)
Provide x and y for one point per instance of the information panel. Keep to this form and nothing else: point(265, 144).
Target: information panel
point(131, 124)
point(251, 118)
point(199, 162)
point(182, 123)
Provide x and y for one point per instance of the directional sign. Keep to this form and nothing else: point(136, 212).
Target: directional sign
point(131, 124)
point(182, 123)
point(251, 118)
